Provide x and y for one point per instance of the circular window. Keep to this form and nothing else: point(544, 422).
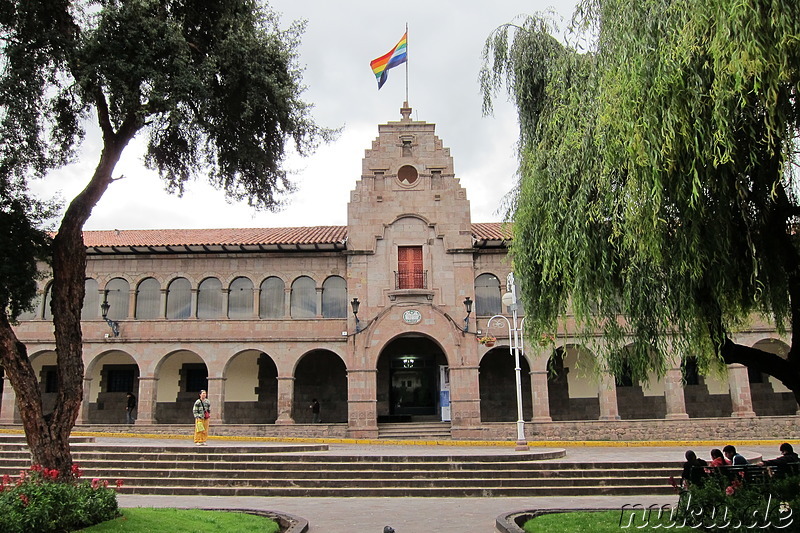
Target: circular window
point(407, 175)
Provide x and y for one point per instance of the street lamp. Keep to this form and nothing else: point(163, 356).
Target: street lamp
point(468, 307)
point(104, 307)
point(515, 338)
point(355, 304)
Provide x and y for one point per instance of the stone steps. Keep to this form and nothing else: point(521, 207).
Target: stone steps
point(310, 470)
point(415, 430)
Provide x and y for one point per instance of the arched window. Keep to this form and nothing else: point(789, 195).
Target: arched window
point(209, 298)
point(488, 298)
point(148, 299)
point(47, 312)
point(240, 298)
point(91, 300)
point(118, 297)
point(179, 299)
point(304, 298)
point(273, 297)
point(334, 297)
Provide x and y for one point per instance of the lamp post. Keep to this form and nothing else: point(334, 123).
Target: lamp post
point(468, 307)
point(355, 304)
point(104, 307)
point(515, 338)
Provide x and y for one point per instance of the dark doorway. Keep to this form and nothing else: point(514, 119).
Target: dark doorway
point(408, 380)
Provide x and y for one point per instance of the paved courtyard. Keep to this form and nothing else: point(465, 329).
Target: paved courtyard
point(442, 515)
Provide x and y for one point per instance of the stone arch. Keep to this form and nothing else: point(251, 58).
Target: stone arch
point(112, 374)
point(572, 384)
point(497, 383)
point(640, 400)
point(180, 374)
point(408, 378)
point(251, 388)
point(320, 374)
point(44, 365)
point(705, 396)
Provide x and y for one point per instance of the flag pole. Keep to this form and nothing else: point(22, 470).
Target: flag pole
point(406, 63)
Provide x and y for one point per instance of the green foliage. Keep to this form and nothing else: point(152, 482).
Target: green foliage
point(22, 243)
point(38, 501)
point(215, 83)
point(722, 504)
point(137, 520)
point(657, 186)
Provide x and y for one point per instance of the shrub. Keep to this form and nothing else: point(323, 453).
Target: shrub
point(733, 503)
point(37, 500)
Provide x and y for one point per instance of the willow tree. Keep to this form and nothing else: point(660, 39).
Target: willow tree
point(213, 85)
point(658, 186)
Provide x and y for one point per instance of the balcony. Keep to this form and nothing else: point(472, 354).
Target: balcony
point(411, 285)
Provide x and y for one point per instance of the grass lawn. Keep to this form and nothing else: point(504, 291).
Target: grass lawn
point(146, 520)
point(589, 522)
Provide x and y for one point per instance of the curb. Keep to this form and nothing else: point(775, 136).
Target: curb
point(288, 523)
point(513, 522)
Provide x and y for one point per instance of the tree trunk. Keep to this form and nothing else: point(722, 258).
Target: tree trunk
point(48, 437)
point(785, 371)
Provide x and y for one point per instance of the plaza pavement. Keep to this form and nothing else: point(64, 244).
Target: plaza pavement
point(440, 515)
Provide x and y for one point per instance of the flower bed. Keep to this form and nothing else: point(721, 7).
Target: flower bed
point(39, 500)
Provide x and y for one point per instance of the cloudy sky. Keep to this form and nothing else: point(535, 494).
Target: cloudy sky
point(445, 40)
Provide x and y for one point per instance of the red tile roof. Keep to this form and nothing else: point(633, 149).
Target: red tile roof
point(208, 237)
point(492, 231)
point(248, 236)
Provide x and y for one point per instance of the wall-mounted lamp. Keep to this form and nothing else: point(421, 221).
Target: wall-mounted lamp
point(468, 307)
point(104, 307)
point(355, 304)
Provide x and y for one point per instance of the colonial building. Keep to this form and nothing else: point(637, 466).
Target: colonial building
point(378, 320)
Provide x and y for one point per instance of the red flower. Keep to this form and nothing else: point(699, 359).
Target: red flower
point(95, 483)
point(51, 474)
point(119, 483)
point(6, 479)
point(24, 499)
point(36, 468)
point(76, 470)
point(105, 483)
point(730, 490)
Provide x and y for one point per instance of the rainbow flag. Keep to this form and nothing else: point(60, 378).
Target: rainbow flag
point(396, 56)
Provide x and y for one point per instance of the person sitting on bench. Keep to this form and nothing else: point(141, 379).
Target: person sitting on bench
point(788, 460)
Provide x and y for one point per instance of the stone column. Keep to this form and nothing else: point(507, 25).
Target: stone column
point(287, 302)
point(226, 297)
point(162, 310)
point(673, 394)
point(83, 415)
point(256, 302)
point(216, 395)
point(146, 402)
point(465, 401)
point(362, 403)
point(285, 400)
point(193, 310)
point(541, 397)
point(8, 403)
point(319, 302)
point(132, 303)
point(739, 384)
point(607, 394)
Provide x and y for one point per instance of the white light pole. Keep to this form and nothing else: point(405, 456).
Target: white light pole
point(515, 338)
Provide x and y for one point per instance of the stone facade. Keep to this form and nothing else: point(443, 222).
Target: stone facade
point(263, 320)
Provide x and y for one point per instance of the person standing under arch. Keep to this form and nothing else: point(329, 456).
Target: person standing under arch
point(202, 417)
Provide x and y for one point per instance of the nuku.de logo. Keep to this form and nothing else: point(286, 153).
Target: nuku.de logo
point(666, 516)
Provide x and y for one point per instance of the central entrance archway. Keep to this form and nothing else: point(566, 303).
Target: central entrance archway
point(408, 380)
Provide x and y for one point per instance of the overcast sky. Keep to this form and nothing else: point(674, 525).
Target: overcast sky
point(445, 40)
